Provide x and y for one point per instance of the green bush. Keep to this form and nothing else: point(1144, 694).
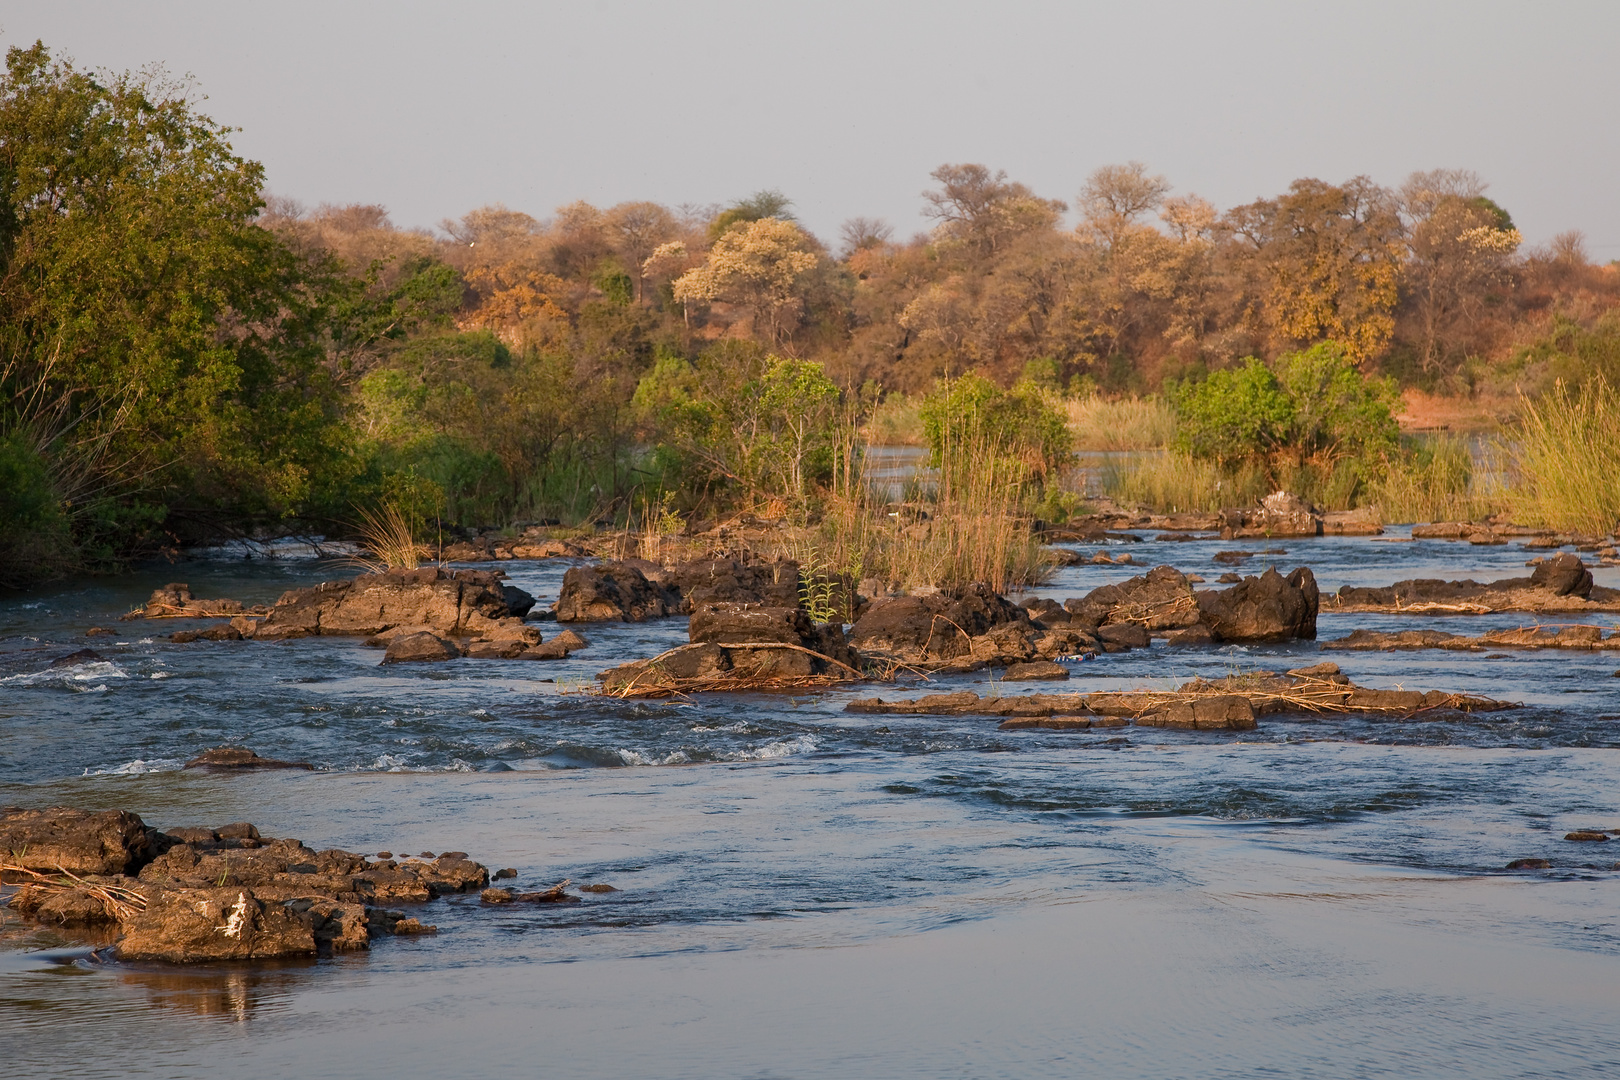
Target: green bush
point(972, 409)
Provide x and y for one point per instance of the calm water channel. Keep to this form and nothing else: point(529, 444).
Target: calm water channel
point(807, 893)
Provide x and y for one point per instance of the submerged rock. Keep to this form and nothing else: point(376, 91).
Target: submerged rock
point(240, 757)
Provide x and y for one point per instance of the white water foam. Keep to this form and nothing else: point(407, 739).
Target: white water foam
point(391, 763)
point(72, 677)
point(139, 767)
point(804, 744)
point(633, 757)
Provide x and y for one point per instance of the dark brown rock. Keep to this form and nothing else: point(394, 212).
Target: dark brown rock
point(611, 591)
point(1041, 669)
point(1265, 608)
point(1279, 514)
point(77, 841)
point(447, 602)
point(1192, 635)
point(1129, 635)
point(1530, 864)
point(1563, 575)
point(184, 926)
point(1587, 836)
point(705, 581)
point(423, 646)
point(1161, 599)
point(940, 627)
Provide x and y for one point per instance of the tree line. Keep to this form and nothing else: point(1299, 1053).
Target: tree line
point(184, 357)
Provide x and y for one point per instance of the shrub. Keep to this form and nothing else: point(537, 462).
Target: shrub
point(1021, 422)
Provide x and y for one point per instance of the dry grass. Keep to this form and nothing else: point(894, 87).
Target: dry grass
point(1434, 483)
point(1564, 461)
point(896, 422)
point(1178, 483)
point(1126, 424)
point(388, 535)
point(124, 904)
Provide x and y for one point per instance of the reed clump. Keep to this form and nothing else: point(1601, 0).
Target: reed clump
point(390, 538)
point(965, 522)
point(1433, 480)
point(1175, 482)
point(1125, 424)
point(1564, 460)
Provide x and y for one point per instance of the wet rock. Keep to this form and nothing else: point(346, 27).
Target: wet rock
point(183, 926)
point(1362, 521)
point(1444, 530)
point(101, 631)
point(1161, 599)
point(77, 841)
point(1587, 836)
point(599, 887)
point(240, 757)
point(1056, 723)
point(1279, 514)
point(507, 872)
point(176, 600)
point(1192, 635)
point(424, 646)
point(1229, 578)
point(1265, 608)
point(945, 626)
point(496, 896)
point(611, 591)
point(1563, 575)
point(1041, 669)
point(706, 581)
point(74, 659)
point(452, 603)
point(1232, 712)
point(1233, 557)
point(1530, 864)
point(518, 602)
point(1128, 635)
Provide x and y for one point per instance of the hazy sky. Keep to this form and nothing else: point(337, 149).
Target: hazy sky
point(433, 109)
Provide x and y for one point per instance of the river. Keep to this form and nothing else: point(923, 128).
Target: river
point(809, 893)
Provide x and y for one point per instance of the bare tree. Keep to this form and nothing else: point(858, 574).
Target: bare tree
point(864, 232)
point(1115, 196)
point(637, 229)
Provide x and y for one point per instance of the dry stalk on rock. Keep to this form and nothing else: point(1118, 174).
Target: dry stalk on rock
point(123, 903)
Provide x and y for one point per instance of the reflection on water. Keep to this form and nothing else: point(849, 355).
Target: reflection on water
point(805, 892)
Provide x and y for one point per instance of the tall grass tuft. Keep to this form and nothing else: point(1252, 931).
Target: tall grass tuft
point(1433, 480)
point(1128, 424)
point(1174, 482)
point(1564, 460)
point(962, 525)
point(387, 533)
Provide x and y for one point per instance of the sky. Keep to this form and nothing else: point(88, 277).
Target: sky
point(433, 109)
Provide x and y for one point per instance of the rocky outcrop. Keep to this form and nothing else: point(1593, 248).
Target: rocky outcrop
point(175, 601)
point(453, 603)
point(421, 646)
point(1230, 704)
point(77, 841)
point(1562, 584)
point(612, 591)
point(1279, 514)
point(1160, 600)
point(1265, 608)
point(1585, 638)
point(1563, 575)
point(738, 646)
point(708, 581)
point(965, 625)
point(1362, 521)
point(215, 894)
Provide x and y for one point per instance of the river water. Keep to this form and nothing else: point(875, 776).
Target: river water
point(809, 893)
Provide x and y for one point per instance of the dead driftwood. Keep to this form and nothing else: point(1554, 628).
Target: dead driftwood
point(1231, 704)
point(659, 677)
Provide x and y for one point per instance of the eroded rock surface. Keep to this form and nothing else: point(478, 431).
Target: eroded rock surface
point(612, 591)
point(1265, 608)
point(197, 894)
point(1562, 584)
